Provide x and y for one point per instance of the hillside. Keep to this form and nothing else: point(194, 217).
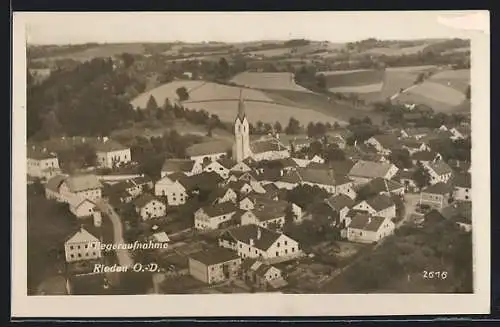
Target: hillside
point(268, 81)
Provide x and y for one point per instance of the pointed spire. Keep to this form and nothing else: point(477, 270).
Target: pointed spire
point(241, 107)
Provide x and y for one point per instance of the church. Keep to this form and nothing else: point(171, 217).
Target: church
point(265, 148)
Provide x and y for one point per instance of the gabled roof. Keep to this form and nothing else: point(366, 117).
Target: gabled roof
point(55, 182)
point(108, 145)
point(178, 165)
point(404, 174)
point(227, 163)
point(370, 169)
point(246, 232)
point(341, 167)
point(144, 199)
point(460, 212)
point(82, 236)
point(412, 132)
point(388, 141)
point(462, 180)
point(439, 188)
point(424, 156)
point(220, 209)
point(38, 153)
point(203, 180)
point(208, 148)
point(321, 176)
point(269, 210)
point(214, 256)
point(81, 183)
point(412, 144)
point(380, 184)
point(366, 222)
point(267, 145)
point(380, 202)
point(339, 201)
point(440, 167)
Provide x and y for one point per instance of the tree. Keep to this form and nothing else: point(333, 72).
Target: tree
point(277, 127)
point(365, 193)
point(421, 176)
point(128, 59)
point(293, 126)
point(182, 93)
point(151, 105)
point(333, 153)
point(420, 78)
point(311, 130)
point(321, 81)
point(223, 68)
point(401, 158)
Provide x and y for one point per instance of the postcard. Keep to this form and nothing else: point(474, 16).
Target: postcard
point(267, 164)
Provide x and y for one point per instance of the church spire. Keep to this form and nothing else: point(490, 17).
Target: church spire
point(241, 107)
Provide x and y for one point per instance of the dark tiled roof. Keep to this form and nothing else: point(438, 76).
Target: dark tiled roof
point(220, 209)
point(80, 183)
point(380, 202)
point(462, 180)
point(178, 165)
point(246, 232)
point(366, 222)
point(370, 169)
point(379, 185)
point(207, 148)
point(39, 153)
point(404, 174)
point(227, 163)
point(341, 167)
point(54, 183)
point(424, 156)
point(144, 199)
point(440, 167)
point(214, 256)
point(340, 201)
point(460, 212)
point(203, 180)
point(388, 141)
point(439, 188)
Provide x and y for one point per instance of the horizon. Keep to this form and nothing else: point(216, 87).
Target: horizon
point(69, 28)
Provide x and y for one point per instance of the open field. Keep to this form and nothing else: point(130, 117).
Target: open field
point(100, 51)
point(271, 81)
point(412, 69)
point(457, 50)
point(368, 88)
point(457, 79)
point(396, 51)
point(358, 77)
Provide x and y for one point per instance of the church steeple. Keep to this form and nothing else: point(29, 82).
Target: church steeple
point(241, 107)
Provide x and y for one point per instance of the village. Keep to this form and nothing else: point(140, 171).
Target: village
point(260, 216)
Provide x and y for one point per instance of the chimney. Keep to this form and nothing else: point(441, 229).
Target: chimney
point(259, 233)
point(251, 242)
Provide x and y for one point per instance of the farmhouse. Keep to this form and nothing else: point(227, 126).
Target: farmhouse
point(82, 207)
point(208, 151)
point(42, 163)
point(110, 153)
point(364, 171)
point(174, 192)
point(425, 157)
point(405, 177)
point(214, 265)
point(211, 217)
point(340, 205)
point(462, 187)
point(262, 275)
point(439, 172)
point(413, 146)
point(266, 214)
point(386, 187)
point(365, 228)
point(384, 143)
point(216, 167)
point(436, 196)
point(86, 186)
point(379, 205)
point(252, 241)
point(82, 246)
point(148, 207)
point(415, 133)
point(224, 194)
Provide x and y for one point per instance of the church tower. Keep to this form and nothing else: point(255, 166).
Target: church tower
point(241, 147)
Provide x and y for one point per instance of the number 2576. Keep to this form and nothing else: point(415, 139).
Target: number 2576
point(435, 274)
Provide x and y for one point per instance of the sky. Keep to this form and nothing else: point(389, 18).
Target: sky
point(75, 28)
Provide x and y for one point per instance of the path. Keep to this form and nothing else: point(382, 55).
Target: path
point(411, 202)
point(394, 96)
point(123, 256)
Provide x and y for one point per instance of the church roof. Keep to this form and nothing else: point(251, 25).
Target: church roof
point(241, 108)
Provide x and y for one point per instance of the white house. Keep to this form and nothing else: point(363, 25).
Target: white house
point(379, 205)
point(82, 246)
point(365, 228)
point(439, 172)
point(42, 163)
point(173, 191)
point(386, 187)
point(364, 171)
point(462, 187)
point(225, 195)
point(341, 204)
point(86, 186)
point(216, 167)
point(148, 207)
point(82, 207)
point(210, 217)
point(252, 241)
point(240, 187)
point(111, 153)
point(383, 143)
point(241, 167)
point(208, 151)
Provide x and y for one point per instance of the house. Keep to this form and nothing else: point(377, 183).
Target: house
point(340, 205)
point(379, 205)
point(110, 153)
point(240, 187)
point(149, 207)
point(208, 151)
point(270, 148)
point(415, 133)
point(405, 177)
point(462, 187)
point(252, 241)
point(42, 163)
point(217, 167)
point(272, 191)
point(459, 166)
point(436, 196)
point(414, 146)
point(52, 188)
point(266, 214)
point(211, 217)
point(288, 181)
point(384, 143)
point(86, 186)
point(208, 181)
point(186, 166)
point(252, 201)
point(224, 194)
point(439, 172)
point(138, 185)
point(459, 212)
point(301, 162)
point(327, 180)
point(425, 157)
point(82, 207)
point(365, 228)
point(214, 265)
point(336, 139)
point(261, 275)
point(82, 246)
point(174, 192)
point(386, 187)
point(364, 171)
point(241, 167)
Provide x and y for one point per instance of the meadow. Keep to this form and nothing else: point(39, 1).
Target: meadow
point(268, 81)
point(100, 51)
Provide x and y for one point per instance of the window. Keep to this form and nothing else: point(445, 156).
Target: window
point(277, 254)
point(255, 251)
point(286, 242)
point(212, 268)
point(86, 246)
point(467, 197)
point(278, 244)
point(293, 249)
point(241, 246)
point(79, 247)
point(72, 255)
point(93, 253)
point(71, 247)
point(79, 255)
point(93, 245)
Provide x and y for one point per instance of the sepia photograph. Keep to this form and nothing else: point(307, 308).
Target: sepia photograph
point(256, 165)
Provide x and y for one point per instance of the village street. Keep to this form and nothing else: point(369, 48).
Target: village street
point(411, 202)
